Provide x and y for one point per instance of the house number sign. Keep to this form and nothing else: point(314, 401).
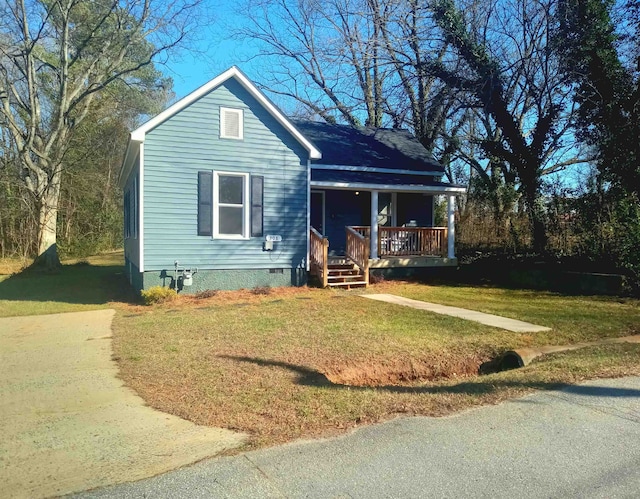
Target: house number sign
point(273, 238)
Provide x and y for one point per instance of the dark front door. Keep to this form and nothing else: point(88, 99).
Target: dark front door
point(317, 211)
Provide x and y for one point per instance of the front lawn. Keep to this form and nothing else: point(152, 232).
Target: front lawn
point(306, 362)
point(86, 284)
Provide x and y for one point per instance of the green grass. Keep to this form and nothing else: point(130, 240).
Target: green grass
point(301, 363)
point(572, 318)
point(89, 284)
point(306, 362)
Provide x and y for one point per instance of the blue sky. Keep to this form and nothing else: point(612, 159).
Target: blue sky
point(213, 53)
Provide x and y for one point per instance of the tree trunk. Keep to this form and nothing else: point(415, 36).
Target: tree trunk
point(536, 219)
point(47, 207)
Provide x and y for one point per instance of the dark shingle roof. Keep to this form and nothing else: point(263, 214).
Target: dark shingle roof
point(370, 147)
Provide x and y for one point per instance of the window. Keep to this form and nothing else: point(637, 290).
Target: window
point(230, 206)
point(224, 208)
point(231, 123)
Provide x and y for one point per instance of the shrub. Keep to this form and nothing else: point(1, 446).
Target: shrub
point(158, 294)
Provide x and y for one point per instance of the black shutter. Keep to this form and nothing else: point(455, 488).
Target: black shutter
point(127, 215)
point(205, 203)
point(257, 198)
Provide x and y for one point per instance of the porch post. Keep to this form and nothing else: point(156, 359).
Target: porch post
point(451, 228)
point(373, 233)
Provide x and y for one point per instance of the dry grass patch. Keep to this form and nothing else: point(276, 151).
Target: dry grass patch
point(10, 266)
point(301, 362)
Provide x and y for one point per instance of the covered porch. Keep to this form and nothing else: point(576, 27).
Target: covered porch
point(371, 204)
point(346, 259)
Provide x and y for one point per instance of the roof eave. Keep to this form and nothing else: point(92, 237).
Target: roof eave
point(362, 186)
point(133, 147)
point(375, 169)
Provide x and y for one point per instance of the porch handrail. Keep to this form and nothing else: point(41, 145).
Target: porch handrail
point(408, 241)
point(358, 247)
point(363, 230)
point(319, 256)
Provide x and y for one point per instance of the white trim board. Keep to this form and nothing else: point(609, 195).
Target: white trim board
point(359, 186)
point(141, 211)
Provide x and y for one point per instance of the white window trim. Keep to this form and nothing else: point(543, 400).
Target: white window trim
point(240, 113)
point(246, 212)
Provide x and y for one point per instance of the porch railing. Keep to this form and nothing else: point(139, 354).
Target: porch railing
point(358, 247)
point(319, 256)
point(409, 241)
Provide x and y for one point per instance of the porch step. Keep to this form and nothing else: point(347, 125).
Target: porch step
point(337, 277)
point(349, 284)
point(343, 274)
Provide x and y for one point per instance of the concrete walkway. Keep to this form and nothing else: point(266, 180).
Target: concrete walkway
point(462, 313)
point(580, 442)
point(66, 421)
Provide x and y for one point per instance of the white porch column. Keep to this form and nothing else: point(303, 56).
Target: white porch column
point(373, 234)
point(451, 227)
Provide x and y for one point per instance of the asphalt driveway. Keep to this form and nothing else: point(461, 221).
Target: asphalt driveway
point(579, 442)
point(68, 424)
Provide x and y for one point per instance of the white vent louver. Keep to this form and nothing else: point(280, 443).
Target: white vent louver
point(231, 123)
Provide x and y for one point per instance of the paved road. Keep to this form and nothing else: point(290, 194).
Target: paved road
point(580, 442)
point(66, 422)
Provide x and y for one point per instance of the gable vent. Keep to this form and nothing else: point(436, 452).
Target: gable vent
point(230, 123)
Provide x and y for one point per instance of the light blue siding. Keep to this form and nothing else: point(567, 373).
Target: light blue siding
point(189, 142)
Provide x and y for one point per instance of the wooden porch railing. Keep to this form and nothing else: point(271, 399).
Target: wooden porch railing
point(319, 256)
point(363, 230)
point(358, 248)
point(409, 241)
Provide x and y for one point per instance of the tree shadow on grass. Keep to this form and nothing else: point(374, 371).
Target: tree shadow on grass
point(312, 377)
point(82, 283)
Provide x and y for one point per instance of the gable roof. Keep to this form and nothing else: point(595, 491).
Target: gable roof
point(387, 148)
point(137, 137)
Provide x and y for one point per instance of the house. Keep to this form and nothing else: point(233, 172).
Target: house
point(223, 182)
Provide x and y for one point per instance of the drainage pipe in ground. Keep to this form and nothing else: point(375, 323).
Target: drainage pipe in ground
point(514, 359)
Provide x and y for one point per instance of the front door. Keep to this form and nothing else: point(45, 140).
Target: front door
point(317, 211)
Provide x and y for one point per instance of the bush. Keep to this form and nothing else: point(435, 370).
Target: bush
point(158, 294)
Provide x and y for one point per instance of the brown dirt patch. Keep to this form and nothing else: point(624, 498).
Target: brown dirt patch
point(403, 371)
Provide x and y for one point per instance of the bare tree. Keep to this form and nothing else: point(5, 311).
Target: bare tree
point(56, 57)
point(511, 72)
point(356, 61)
point(324, 54)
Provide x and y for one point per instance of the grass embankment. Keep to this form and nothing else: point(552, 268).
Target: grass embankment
point(85, 284)
point(307, 362)
point(288, 363)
